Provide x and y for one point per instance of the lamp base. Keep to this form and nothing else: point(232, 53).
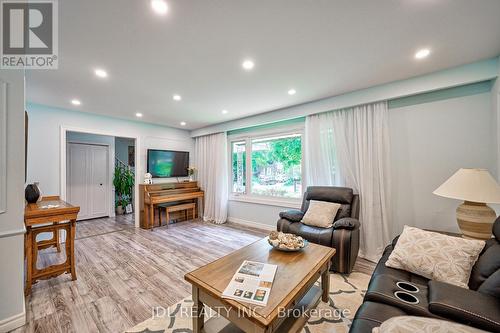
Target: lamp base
point(475, 220)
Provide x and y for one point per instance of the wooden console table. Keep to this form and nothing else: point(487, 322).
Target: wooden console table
point(38, 218)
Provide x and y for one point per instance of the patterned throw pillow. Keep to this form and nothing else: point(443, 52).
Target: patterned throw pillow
point(422, 325)
point(321, 214)
point(435, 256)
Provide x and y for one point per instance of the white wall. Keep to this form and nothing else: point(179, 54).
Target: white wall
point(255, 215)
point(45, 125)
point(429, 142)
point(12, 310)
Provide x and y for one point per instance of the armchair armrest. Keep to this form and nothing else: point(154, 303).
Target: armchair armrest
point(464, 305)
point(292, 215)
point(346, 223)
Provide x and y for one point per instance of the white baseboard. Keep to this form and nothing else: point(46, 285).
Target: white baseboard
point(11, 323)
point(251, 224)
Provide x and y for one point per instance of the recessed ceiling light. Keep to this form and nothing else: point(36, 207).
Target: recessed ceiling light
point(224, 111)
point(248, 65)
point(138, 115)
point(76, 102)
point(159, 6)
point(177, 97)
point(183, 123)
point(292, 92)
point(423, 53)
point(101, 73)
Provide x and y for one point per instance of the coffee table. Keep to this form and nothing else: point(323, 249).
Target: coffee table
point(293, 288)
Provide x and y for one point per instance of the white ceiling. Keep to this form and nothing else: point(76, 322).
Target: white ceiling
point(321, 48)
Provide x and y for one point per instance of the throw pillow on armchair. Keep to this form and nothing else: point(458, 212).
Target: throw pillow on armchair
point(321, 214)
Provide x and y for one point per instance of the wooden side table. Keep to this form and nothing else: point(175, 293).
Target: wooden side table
point(52, 215)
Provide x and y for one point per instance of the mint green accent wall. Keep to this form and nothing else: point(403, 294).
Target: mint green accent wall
point(433, 96)
point(271, 125)
point(452, 77)
point(439, 95)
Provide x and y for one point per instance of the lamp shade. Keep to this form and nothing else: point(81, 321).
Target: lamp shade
point(476, 185)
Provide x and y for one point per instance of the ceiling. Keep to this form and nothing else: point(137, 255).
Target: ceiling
point(320, 48)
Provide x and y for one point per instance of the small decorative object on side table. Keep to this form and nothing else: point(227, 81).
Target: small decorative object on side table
point(191, 171)
point(148, 178)
point(32, 192)
point(476, 187)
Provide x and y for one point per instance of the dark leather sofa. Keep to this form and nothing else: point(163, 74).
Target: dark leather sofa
point(343, 236)
point(478, 306)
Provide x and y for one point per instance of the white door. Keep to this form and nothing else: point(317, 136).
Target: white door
point(88, 178)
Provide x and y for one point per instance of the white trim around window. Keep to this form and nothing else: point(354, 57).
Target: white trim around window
point(262, 199)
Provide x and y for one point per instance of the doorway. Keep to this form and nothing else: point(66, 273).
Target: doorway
point(88, 182)
point(95, 137)
point(95, 167)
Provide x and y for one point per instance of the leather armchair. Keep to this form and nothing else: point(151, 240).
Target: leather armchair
point(343, 236)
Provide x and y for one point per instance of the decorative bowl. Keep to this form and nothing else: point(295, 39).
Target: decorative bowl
point(286, 242)
point(287, 249)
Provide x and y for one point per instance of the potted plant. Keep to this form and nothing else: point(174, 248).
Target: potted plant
point(123, 181)
point(191, 171)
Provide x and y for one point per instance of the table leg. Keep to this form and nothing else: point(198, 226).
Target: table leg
point(151, 216)
point(71, 254)
point(159, 216)
point(58, 243)
point(325, 284)
point(198, 314)
point(202, 208)
point(29, 259)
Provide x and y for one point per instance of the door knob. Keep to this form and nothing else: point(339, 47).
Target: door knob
point(100, 184)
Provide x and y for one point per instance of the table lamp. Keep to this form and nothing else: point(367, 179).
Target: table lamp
point(476, 187)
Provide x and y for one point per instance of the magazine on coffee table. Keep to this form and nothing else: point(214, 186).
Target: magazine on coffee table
point(252, 283)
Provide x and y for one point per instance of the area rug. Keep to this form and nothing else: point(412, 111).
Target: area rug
point(346, 295)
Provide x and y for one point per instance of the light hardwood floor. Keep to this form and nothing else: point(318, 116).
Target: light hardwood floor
point(124, 272)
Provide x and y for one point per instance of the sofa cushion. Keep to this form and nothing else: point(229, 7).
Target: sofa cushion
point(321, 214)
point(435, 256)
point(373, 314)
point(491, 286)
point(402, 275)
point(487, 264)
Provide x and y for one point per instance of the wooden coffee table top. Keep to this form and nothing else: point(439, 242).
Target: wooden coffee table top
point(295, 270)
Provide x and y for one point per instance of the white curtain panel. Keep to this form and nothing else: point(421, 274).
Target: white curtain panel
point(350, 148)
point(211, 162)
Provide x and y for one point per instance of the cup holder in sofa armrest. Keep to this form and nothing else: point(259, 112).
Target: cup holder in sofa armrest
point(406, 297)
point(407, 286)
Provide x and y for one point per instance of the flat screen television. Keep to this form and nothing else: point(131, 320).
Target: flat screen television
point(168, 163)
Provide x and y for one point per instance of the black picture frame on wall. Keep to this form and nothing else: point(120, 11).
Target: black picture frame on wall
point(131, 156)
